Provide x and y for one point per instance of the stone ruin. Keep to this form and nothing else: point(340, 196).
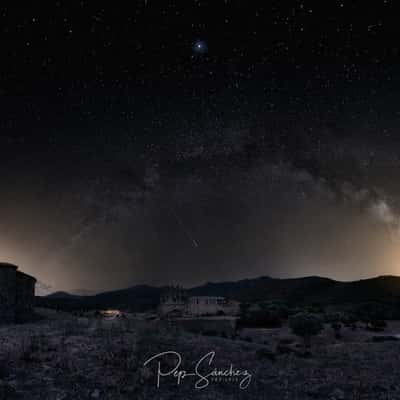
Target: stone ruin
point(173, 300)
point(176, 301)
point(17, 294)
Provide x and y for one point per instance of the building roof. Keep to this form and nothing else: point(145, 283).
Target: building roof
point(27, 275)
point(14, 267)
point(7, 265)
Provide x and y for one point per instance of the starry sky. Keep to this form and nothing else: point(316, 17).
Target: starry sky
point(192, 141)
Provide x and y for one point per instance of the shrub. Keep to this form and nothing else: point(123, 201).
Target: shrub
point(6, 391)
point(286, 340)
point(261, 319)
point(378, 323)
point(337, 327)
point(210, 332)
point(285, 349)
point(265, 354)
point(305, 325)
point(382, 338)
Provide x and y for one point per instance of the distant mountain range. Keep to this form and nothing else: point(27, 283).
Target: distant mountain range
point(295, 291)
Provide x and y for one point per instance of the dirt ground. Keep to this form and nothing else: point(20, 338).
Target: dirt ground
point(64, 357)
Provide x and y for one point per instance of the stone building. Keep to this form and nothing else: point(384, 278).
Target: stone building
point(17, 293)
point(176, 301)
point(212, 305)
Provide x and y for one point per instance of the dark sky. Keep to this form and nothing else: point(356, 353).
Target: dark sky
point(188, 141)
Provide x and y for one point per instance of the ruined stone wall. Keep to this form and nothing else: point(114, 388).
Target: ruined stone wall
point(7, 292)
point(175, 299)
point(25, 294)
point(204, 305)
point(167, 307)
point(17, 294)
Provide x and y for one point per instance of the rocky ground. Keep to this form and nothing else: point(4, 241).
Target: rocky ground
point(64, 357)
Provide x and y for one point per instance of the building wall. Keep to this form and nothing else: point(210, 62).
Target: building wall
point(7, 292)
point(176, 300)
point(232, 307)
point(25, 294)
point(205, 305)
point(17, 293)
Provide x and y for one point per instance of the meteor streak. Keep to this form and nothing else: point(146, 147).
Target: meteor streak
point(184, 229)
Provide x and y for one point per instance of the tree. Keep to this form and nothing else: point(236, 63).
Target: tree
point(378, 324)
point(305, 325)
point(261, 318)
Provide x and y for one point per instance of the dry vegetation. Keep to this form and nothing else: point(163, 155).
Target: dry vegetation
point(88, 358)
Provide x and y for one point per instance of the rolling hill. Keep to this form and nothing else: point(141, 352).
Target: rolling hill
point(294, 291)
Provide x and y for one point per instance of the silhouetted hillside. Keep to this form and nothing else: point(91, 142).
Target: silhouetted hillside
point(61, 295)
point(296, 291)
point(265, 288)
point(137, 299)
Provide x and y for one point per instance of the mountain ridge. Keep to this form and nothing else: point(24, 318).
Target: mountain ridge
point(296, 291)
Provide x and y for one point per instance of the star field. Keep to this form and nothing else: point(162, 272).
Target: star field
point(122, 124)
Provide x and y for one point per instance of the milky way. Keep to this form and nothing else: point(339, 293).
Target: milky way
point(201, 141)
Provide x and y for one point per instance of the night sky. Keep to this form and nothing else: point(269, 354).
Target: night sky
point(192, 141)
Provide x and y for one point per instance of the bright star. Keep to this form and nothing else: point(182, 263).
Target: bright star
point(200, 47)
